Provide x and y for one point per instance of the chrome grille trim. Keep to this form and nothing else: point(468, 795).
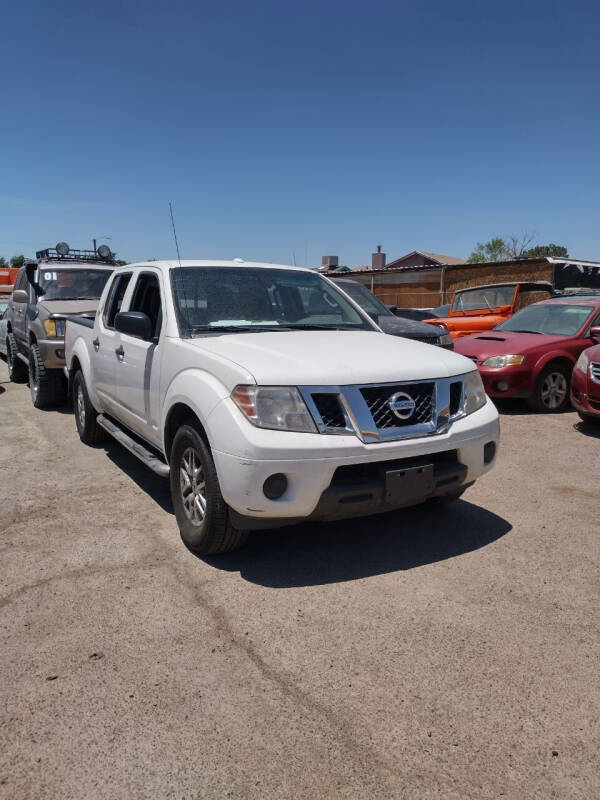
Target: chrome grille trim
point(359, 420)
point(595, 371)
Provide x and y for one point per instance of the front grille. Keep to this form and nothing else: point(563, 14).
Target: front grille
point(377, 399)
point(595, 371)
point(455, 397)
point(328, 406)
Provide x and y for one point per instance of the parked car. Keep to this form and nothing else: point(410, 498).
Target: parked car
point(3, 325)
point(419, 314)
point(585, 382)
point(59, 283)
point(532, 354)
point(269, 398)
point(482, 308)
point(389, 323)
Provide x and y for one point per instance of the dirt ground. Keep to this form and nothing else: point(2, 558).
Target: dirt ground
point(421, 654)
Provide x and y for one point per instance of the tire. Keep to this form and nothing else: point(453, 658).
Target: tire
point(85, 414)
point(444, 499)
point(202, 514)
point(552, 390)
point(17, 370)
point(47, 386)
point(590, 419)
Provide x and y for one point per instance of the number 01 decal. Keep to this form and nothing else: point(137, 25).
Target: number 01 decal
point(49, 276)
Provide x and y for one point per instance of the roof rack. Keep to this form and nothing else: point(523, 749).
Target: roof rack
point(91, 256)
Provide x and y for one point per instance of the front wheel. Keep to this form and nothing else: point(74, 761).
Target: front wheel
point(47, 386)
point(17, 370)
point(201, 512)
point(551, 393)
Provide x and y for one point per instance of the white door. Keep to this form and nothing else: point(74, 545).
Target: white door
point(138, 361)
point(106, 343)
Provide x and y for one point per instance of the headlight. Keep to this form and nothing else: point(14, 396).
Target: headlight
point(504, 361)
point(445, 339)
point(583, 362)
point(474, 392)
point(55, 328)
point(275, 407)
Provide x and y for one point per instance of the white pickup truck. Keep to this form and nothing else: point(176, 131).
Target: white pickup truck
point(268, 397)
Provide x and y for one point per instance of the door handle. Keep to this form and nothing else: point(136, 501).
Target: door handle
point(96, 344)
point(120, 352)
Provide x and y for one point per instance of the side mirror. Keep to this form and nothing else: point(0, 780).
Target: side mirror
point(20, 296)
point(134, 323)
point(595, 332)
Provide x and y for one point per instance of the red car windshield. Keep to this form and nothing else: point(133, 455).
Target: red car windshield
point(558, 319)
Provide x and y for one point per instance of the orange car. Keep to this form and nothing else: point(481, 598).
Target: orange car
point(484, 307)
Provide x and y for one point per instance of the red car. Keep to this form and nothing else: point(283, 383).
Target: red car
point(585, 383)
point(532, 354)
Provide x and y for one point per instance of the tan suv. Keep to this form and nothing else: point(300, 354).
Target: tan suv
point(60, 283)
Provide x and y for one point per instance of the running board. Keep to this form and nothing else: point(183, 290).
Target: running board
point(138, 450)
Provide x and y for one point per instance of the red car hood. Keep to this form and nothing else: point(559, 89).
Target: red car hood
point(499, 343)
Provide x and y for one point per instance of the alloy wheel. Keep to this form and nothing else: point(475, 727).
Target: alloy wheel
point(193, 486)
point(554, 390)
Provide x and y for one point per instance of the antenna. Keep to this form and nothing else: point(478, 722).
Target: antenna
point(174, 233)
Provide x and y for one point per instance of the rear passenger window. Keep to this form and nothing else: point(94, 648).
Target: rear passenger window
point(146, 298)
point(115, 298)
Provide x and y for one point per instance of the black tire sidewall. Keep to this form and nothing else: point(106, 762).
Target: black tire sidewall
point(79, 381)
point(198, 538)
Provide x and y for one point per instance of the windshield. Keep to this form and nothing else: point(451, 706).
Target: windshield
point(365, 299)
point(483, 299)
point(3, 307)
point(72, 284)
point(554, 319)
point(247, 298)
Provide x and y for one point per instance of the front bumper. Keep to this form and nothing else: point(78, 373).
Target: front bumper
point(311, 462)
point(52, 352)
point(583, 400)
point(507, 381)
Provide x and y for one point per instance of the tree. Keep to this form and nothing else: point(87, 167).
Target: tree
point(494, 250)
point(517, 244)
point(17, 261)
point(542, 250)
point(3, 262)
point(514, 246)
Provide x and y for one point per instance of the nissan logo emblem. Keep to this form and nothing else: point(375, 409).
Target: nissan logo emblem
point(401, 405)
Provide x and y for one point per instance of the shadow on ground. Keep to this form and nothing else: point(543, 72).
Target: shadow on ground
point(588, 428)
point(521, 408)
point(319, 553)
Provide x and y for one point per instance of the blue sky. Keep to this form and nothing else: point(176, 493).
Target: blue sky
point(284, 129)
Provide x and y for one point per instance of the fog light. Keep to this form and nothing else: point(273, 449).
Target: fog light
point(489, 451)
point(275, 486)
point(502, 386)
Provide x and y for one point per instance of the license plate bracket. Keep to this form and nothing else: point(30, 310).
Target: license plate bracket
point(409, 485)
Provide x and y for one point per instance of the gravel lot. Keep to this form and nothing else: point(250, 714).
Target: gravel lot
point(417, 655)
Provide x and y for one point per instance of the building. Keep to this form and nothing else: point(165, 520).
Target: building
point(421, 258)
point(431, 285)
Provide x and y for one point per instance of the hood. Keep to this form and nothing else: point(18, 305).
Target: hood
point(69, 306)
point(331, 358)
point(499, 343)
point(410, 328)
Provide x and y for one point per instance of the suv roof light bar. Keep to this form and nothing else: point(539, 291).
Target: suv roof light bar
point(92, 256)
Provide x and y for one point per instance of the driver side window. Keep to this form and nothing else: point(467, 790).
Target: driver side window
point(146, 298)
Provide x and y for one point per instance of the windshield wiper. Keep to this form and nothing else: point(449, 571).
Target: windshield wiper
point(235, 328)
point(308, 327)
point(513, 331)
